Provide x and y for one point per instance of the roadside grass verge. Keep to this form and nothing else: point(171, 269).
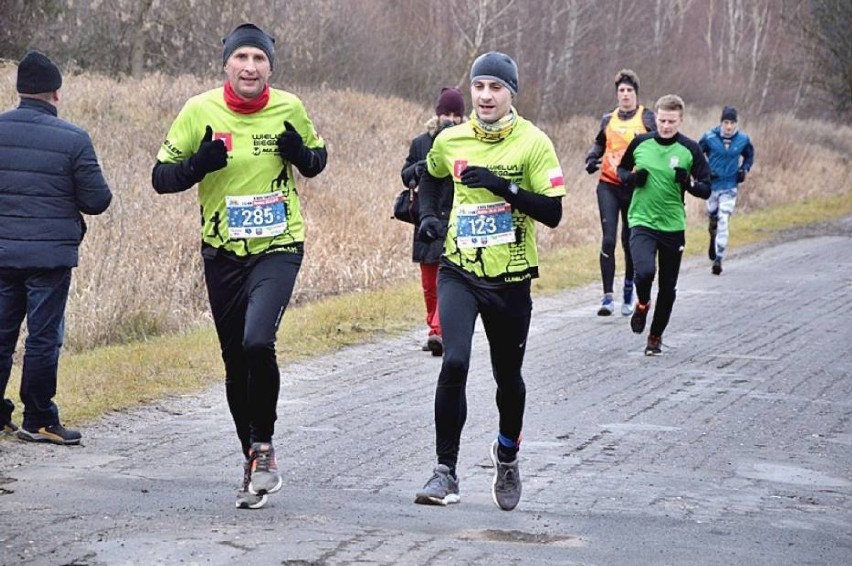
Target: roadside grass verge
point(114, 378)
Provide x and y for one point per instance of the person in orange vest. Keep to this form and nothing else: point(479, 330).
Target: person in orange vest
point(618, 128)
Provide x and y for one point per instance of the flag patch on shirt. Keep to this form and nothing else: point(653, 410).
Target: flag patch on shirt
point(226, 137)
point(556, 177)
point(459, 165)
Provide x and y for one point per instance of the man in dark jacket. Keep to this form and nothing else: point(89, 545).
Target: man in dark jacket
point(448, 112)
point(49, 175)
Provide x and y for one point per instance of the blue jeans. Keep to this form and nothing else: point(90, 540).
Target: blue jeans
point(41, 296)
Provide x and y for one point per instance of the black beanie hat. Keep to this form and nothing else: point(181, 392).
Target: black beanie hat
point(498, 67)
point(450, 101)
point(729, 113)
point(251, 35)
point(37, 74)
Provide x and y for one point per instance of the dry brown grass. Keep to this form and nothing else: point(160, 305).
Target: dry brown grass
point(140, 271)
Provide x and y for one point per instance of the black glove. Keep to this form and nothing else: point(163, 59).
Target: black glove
point(741, 175)
point(430, 229)
point(477, 177)
point(638, 178)
point(591, 165)
point(211, 155)
point(419, 167)
point(290, 144)
point(681, 176)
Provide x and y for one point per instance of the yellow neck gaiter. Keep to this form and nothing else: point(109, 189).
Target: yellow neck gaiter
point(495, 131)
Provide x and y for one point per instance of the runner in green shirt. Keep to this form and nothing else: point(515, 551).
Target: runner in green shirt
point(506, 177)
point(240, 144)
point(660, 167)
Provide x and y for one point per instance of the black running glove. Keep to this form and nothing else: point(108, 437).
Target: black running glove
point(681, 176)
point(481, 178)
point(741, 174)
point(290, 144)
point(591, 165)
point(211, 155)
point(430, 229)
point(637, 179)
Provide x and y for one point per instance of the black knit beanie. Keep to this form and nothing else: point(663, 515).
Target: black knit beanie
point(496, 66)
point(251, 35)
point(37, 74)
point(729, 113)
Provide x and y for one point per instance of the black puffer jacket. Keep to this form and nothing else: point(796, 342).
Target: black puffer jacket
point(422, 252)
point(49, 175)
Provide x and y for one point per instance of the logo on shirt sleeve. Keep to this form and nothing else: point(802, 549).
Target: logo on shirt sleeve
point(556, 177)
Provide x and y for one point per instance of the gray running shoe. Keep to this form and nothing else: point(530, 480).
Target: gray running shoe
point(506, 488)
point(57, 434)
point(245, 498)
point(441, 489)
point(263, 469)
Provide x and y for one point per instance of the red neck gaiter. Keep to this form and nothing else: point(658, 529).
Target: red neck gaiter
point(243, 106)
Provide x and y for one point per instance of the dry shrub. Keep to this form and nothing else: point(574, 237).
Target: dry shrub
point(140, 271)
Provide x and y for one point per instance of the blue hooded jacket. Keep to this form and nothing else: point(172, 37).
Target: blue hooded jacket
point(725, 163)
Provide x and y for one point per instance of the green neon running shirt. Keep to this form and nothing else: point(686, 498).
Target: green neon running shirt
point(254, 165)
point(526, 157)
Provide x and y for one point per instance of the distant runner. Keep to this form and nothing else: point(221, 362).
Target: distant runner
point(731, 156)
point(618, 128)
point(660, 167)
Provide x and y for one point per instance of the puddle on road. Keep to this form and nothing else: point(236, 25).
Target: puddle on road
point(788, 474)
point(514, 536)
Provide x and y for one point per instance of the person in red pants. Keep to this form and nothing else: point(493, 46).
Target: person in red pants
point(449, 111)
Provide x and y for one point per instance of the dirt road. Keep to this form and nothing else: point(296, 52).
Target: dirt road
point(734, 447)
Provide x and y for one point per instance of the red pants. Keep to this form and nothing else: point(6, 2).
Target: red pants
point(429, 282)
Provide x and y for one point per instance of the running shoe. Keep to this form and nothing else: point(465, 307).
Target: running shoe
point(607, 306)
point(57, 434)
point(640, 315)
point(9, 428)
point(264, 469)
point(506, 487)
point(245, 498)
point(717, 266)
point(441, 489)
point(627, 305)
point(435, 344)
point(653, 346)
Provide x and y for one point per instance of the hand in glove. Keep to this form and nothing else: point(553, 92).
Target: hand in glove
point(211, 155)
point(419, 167)
point(681, 176)
point(741, 174)
point(638, 178)
point(481, 178)
point(290, 143)
point(591, 165)
point(430, 229)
